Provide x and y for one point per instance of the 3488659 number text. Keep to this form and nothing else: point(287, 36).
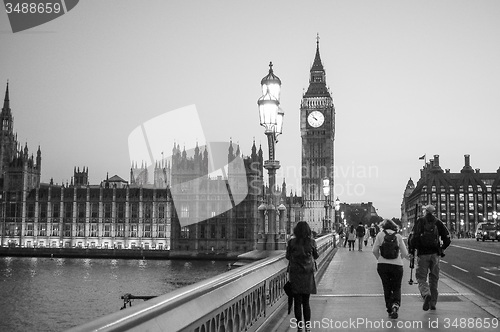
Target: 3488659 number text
point(471, 323)
point(33, 8)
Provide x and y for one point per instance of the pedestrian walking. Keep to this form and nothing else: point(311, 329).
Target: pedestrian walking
point(351, 236)
point(373, 233)
point(390, 249)
point(360, 234)
point(346, 235)
point(367, 235)
point(341, 235)
point(302, 252)
point(429, 238)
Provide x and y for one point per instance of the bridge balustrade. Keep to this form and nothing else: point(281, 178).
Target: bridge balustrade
point(241, 299)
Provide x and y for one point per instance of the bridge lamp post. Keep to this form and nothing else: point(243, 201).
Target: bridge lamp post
point(271, 118)
point(326, 192)
point(495, 217)
point(337, 208)
point(3, 198)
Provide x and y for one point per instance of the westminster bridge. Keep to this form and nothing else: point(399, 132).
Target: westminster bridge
point(241, 299)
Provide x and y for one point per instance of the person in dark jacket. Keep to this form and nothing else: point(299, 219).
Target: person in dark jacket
point(360, 234)
point(428, 254)
point(301, 252)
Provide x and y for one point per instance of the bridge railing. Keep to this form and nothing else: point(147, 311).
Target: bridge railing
point(237, 300)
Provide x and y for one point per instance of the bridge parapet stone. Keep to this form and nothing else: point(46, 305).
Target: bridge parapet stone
point(241, 299)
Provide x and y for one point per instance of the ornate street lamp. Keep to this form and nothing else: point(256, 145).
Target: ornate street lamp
point(337, 208)
point(326, 192)
point(271, 118)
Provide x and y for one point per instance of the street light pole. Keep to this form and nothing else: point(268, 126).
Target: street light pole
point(4, 206)
point(271, 118)
point(326, 192)
point(337, 208)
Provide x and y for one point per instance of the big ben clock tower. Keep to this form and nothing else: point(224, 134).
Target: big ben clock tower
point(317, 129)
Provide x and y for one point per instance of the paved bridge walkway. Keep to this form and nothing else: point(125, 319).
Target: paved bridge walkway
point(350, 298)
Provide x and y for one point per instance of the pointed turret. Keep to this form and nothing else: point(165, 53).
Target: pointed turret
point(317, 64)
point(254, 150)
point(230, 154)
point(6, 102)
point(410, 184)
point(184, 153)
point(39, 158)
point(283, 190)
point(196, 150)
point(6, 116)
point(317, 79)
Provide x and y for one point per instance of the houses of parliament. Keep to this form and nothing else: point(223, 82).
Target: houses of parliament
point(141, 213)
point(117, 214)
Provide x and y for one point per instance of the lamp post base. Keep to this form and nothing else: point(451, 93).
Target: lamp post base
point(281, 241)
point(261, 242)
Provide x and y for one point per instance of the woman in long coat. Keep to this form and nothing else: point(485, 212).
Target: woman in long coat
point(302, 251)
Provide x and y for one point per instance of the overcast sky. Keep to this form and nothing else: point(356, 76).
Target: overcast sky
point(408, 78)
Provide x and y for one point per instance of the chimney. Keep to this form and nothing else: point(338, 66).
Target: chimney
point(447, 170)
point(436, 160)
point(477, 170)
point(467, 168)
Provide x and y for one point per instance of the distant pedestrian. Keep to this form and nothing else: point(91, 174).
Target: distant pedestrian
point(302, 252)
point(360, 234)
point(425, 239)
point(367, 235)
point(351, 236)
point(373, 233)
point(390, 264)
point(341, 234)
point(346, 235)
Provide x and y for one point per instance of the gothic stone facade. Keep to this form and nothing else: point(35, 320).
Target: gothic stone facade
point(116, 214)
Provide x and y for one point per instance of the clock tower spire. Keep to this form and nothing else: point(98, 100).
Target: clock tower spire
point(317, 129)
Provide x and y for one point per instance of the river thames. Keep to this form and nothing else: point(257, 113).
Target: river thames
point(48, 295)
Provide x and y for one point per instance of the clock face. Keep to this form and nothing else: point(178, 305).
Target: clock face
point(315, 119)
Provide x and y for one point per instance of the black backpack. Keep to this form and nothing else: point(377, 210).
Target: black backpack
point(360, 231)
point(389, 249)
point(429, 235)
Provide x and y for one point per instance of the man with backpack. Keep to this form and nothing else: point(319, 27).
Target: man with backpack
point(425, 238)
point(360, 234)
